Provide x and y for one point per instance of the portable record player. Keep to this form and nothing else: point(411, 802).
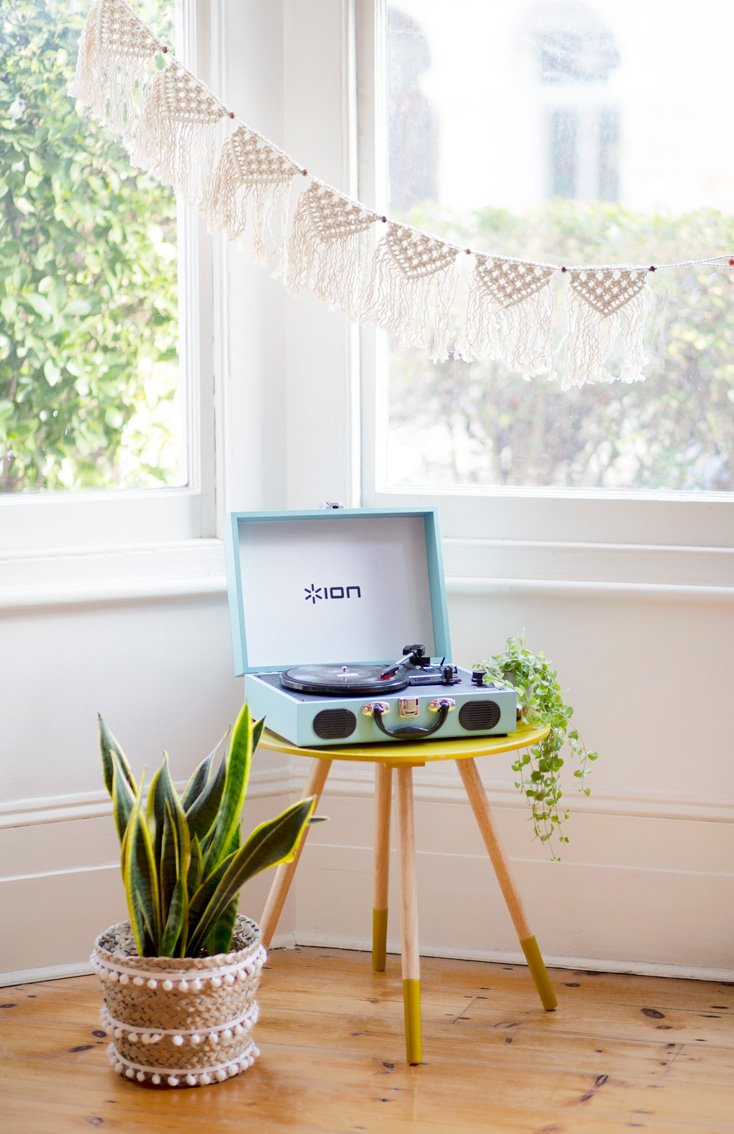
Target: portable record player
point(323, 602)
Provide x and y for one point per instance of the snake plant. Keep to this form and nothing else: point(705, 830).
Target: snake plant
point(182, 858)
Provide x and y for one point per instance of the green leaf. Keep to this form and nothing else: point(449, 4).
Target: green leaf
point(268, 845)
point(141, 882)
point(245, 735)
point(220, 937)
point(112, 755)
point(175, 856)
point(174, 922)
point(123, 802)
point(202, 813)
point(162, 795)
point(199, 778)
point(196, 867)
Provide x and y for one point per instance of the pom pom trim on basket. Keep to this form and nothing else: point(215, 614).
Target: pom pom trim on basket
point(182, 1021)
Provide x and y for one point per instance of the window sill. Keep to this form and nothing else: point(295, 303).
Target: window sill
point(104, 575)
point(612, 566)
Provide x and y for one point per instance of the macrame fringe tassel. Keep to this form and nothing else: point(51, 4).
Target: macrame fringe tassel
point(178, 133)
point(115, 67)
point(249, 193)
point(330, 247)
point(508, 315)
point(599, 323)
point(412, 289)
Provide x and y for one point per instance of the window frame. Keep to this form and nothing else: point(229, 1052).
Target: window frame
point(41, 522)
point(497, 531)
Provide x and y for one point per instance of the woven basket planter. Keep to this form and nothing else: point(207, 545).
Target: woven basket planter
point(184, 1021)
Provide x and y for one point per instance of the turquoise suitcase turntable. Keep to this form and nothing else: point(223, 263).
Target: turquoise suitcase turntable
point(339, 623)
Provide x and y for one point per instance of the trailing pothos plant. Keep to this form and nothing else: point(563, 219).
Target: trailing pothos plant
point(182, 859)
point(541, 702)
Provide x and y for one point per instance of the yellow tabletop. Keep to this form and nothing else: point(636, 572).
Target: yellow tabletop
point(402, 753)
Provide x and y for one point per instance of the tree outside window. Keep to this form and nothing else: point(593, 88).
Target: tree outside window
point(90, 384)
point(581, 133)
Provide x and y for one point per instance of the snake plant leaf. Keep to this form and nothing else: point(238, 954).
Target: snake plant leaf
point(200, 776)
point(196, 866)
point(220, 937)
point(175, 923)
point(202, 813)
point(112, 756)
point(245, 736)
point(141, 879)
point(163, 806)
point(160, 792)
point(175, 856)
point(123, 801)
point(222, 932)
point(270, 843)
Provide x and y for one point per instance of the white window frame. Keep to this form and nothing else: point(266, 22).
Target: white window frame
point(43, 522)
point(674, 539)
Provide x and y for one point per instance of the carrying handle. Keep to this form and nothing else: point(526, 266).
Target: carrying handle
point(413, 732)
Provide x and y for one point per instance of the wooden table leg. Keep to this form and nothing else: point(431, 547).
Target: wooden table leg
point(480, 806)
point(284, 873)
point(383, 802)
point(409, 920)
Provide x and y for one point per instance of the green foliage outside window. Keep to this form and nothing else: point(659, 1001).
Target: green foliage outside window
point(475, 423)
point(88, 277)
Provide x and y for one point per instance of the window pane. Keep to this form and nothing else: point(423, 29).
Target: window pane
point(570, 132)
point(90, 387)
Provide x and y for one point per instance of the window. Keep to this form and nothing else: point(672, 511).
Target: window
point(100, 420)
point(565, 132)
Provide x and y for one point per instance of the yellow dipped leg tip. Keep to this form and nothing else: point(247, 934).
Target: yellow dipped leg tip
point(379, 940)
point(539, 973)
point(412, 1006)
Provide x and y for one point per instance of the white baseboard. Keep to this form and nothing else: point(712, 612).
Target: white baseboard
point(642, 887)
point(516, 957)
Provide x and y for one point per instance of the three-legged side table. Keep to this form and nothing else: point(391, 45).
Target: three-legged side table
point(402, 758)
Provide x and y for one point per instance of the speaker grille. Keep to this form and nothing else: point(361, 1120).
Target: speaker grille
point(334, 724)
point(475, 715)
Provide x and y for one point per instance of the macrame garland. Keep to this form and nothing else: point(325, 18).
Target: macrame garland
point(114, 69)
point(606, 306)
point(508, 314)
point(173, 125)
point(330, 247)
point(177, 136)
point(250, 188)
point(412, 289)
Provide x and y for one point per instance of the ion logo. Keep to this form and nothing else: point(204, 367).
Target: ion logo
point(316, 594)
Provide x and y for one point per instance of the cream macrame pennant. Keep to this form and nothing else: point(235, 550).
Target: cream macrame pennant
point(175, 127)
point(115, 65)
point(177, 137)
point(250, 189)
point(412, 288)
point(606, 306)
point(508, 314)
point(330, 247)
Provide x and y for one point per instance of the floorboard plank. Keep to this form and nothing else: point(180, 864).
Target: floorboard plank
point(621, 1052)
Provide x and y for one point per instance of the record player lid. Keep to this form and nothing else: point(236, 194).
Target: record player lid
point(320, 586)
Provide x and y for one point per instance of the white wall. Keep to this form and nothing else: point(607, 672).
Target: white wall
point(641, 639)
point(160, 672)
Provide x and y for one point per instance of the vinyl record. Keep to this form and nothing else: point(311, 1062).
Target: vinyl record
point(342, 680)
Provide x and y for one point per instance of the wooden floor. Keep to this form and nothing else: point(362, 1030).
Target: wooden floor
point(620, 1053)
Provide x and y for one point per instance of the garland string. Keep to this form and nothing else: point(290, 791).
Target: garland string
point(373, 269)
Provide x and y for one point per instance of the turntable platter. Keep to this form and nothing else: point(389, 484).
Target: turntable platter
point(342, 680)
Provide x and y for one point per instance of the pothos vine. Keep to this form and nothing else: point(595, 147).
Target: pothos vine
point(541, 702)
